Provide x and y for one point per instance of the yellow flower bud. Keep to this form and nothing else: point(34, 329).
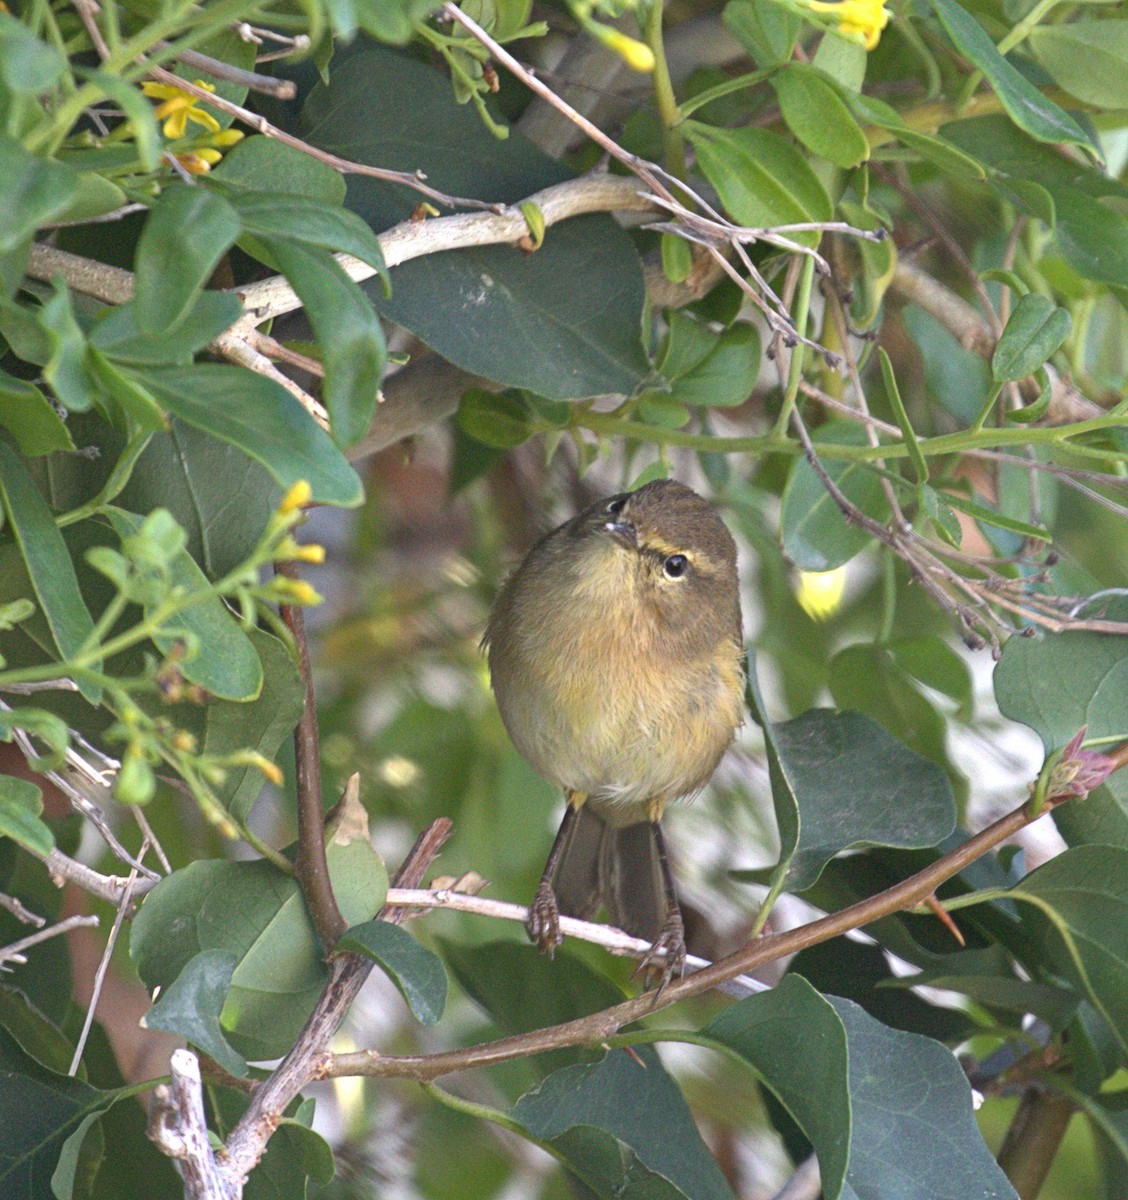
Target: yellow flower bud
point(297, 591)
point(296, 497)
point(271, 771)
point(310, 553)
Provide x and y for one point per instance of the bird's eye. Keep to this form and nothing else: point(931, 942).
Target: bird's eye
point(676, 566)
point(617, 505)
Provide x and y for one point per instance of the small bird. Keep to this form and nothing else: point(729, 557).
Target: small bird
point(615, 654)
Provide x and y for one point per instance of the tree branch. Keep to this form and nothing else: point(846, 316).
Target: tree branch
point(311, 866)
point(179, 1128)
point(592, 1030)
point(347, 973)
point(14, 951)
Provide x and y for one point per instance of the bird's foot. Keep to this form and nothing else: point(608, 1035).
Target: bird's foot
point(665, 960)
point(543, 924)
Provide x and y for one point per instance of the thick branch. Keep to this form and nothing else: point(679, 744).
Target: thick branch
point(1033, 1139)
point(179, 1128)
point(599, 1026)
point(305, 1061)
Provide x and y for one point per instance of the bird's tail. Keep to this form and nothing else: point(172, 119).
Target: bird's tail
point(615, 868)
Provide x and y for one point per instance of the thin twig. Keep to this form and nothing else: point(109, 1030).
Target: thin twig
point(310, 866)
point(594, 1029)
point(607, 936)
point(100, 974)
point(17, 909)
point(268, 85)
point(14, 951)
point(409, 179)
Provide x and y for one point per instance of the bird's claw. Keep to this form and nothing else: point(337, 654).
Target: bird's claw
point(543, 924)
point(665, 960)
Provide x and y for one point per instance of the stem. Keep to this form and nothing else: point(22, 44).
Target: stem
point(888, 598)
point(1032, 1141)
point(668, 110)
point(775, 890)
point(310, 866)
point(799, 352)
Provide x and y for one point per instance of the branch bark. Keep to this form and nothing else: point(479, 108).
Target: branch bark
point(599, 1026)
point(179, 1128)
point(311, 866)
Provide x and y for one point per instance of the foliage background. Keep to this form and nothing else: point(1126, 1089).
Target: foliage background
point(205, 277)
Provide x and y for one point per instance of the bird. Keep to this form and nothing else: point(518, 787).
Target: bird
point(615, 652)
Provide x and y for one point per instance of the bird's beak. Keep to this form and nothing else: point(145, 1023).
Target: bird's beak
point(623, 532)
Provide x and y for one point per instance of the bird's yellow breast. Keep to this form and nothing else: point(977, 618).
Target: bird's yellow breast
point(593, 696)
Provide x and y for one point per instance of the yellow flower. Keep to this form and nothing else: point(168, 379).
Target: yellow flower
point(860, 20)
point(179, 108)
point(820, 592)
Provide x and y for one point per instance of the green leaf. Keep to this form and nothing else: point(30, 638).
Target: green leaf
point(990, 517)
point(816, 536)
point(347, 329)
point(687, 343)
point(564, 322)
point(1037, 327)
point(31, 418)
point(1092, 236)
point(761, 178)
point(225, 663)
point(117, 335)
point(867, 678)
point(261, 724)
point(933, 662)
point(582, 1111)
point(935, 149)
point(913, 1133)
point(47, 560)
point(293, 1155)
point(141, 411)
point(852, 784)
point(413, 968)
point(255, 913)
point(1026, 106)
point(43, 1118)
point(67, 368)
point(311, 223)
point(187, 232)
point(677, 258)
point(920, 467)
point(48, 727)
point(765, 1031)
point(784, 797)
point(21, 802)
point(1088, 58)
point(95, 197)
point(264, 421)
point(818, 116)
point(523, 991)
point(766, 30)
point(33, 191)
point(264, 164)
point(27, 64)
point(190, 1006)
point(725, 377)
point(497, 419)
point(1076, 907)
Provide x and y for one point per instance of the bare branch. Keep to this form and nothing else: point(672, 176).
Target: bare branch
point(594, 1029)
point(14, 951)
point(100, 974)
point(179, 1128)
point(16, 908)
